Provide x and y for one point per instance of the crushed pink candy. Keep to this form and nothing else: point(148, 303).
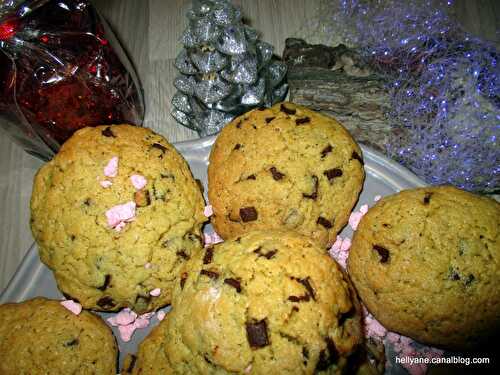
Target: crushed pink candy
point(208, 211)
point(340, 250)
point(148, 265)
point(155, 292)
point(111, 169)
point(212, 238)
point(128, 321)
point(105, 184)
point(72, 306)
point(138, 181)
point(356, 216)
point(120, 214)
point(377, 198)
point(160, 315)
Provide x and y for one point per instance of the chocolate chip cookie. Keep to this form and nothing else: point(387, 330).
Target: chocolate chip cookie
point(115, 214)
point(284, 167)
point(266, 303)
point(41, 336)
point(426, 263)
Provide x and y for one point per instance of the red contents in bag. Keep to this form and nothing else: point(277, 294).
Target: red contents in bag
point(66, 74)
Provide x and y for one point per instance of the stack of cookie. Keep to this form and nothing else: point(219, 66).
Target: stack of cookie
point(118, 218)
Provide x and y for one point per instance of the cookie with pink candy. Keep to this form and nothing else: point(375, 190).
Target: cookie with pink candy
point(115, 215)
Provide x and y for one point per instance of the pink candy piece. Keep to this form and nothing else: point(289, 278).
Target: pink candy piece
point(148, 266)
point(212, 238)
point(105, 184)
point(120, 213)
point(72, 306)
point(340, 250)
point(346, 244)
point(377, 198)
point(111, 169)
point(155, 292)
point(208, 211)
point(127, 322)
point(160, 315)
point(363, 209)
point(138, 181)
point(123, 318)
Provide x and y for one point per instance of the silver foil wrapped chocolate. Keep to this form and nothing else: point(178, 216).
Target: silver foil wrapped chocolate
point(225, 70)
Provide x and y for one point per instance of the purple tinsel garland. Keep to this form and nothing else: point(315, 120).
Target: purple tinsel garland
point(444, 85)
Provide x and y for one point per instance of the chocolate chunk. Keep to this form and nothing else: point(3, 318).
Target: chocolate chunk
point(87, 202)
point(332, 173)
point(332, 349)
point(383, 252)
point(209, 253)
point(142, 198)
point(347, 315)
point(323, 363)
point(159, 147)
point(326, 151)
point(73, 342)
point(302, 121)
point(288, 111)
point(211, 274)
point(108, 133)
point(295, 309)
point(307, 284)
point(469, 280)
point(251, 177)
point(106, 302)
point(324, 222)
point(182, 254)
point(205, 357)
point(257, 334)
point(235, 283)
point(269, 119)
point(270, 254)
point(314, 194)
point(326, 360)
point(184, 277)
point(107, 280)
point(277, 175)
point(72, 237)
point(238, 125)
point(299, 298)
point(131, 365)
point(305, 354)
point(237, 146)
point(356, 156)
point(454, 275)
point(427, 198)
point(248, 214)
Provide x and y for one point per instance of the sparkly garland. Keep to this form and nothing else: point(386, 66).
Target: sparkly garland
point(444, 85)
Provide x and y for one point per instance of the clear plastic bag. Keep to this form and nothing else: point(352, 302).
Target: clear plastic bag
point(61, 69)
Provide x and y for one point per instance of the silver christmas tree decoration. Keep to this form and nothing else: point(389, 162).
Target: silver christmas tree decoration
point(225, 70)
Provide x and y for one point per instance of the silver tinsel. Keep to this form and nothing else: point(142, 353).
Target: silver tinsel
point(225, 70)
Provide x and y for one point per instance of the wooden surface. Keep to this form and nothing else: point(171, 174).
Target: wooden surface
point(149, 31)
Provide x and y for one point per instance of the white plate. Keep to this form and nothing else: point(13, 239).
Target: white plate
point(32, 278)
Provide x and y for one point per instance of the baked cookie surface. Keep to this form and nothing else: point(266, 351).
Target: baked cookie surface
point(40, 336)
point(426, 263)
point(266, 303)
point(115, 214)
point(285, 167)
